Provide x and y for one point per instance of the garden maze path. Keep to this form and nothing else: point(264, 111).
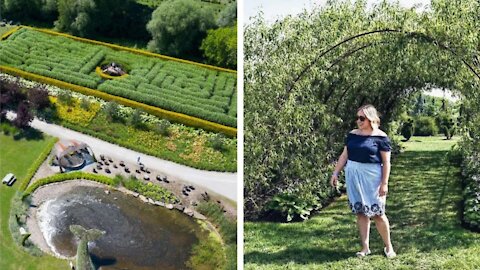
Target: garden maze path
point(424, 206)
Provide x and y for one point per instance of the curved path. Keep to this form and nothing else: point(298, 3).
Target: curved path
point(222, 183)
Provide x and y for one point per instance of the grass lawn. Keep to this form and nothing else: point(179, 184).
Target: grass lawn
point(423, 208)
point(16, 157)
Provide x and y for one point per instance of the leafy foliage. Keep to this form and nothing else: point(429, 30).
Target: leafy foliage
point(425, 126)
point(38, 97)
point(220, 46)
point(303, 82)
point(228, 15)
point(407, 129)
point(76, 16)
point(291, 205)
point(24, 116)
point(206, 93)
point(178, 26)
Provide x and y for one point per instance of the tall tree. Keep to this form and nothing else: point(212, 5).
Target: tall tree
point(228, 16)
point(178, 27)
point(220, 47)
point(75, 16)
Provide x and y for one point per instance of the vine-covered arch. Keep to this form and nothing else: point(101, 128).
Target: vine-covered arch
point(306, 75)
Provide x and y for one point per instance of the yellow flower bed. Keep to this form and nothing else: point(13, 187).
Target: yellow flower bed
point(75, 114)
point(169, 115)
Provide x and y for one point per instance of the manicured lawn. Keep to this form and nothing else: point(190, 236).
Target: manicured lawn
point(16, 157)
point(423, 207)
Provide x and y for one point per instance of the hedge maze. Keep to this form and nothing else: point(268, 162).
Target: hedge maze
point(180, 87)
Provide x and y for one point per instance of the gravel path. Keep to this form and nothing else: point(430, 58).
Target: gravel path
point(222, 183)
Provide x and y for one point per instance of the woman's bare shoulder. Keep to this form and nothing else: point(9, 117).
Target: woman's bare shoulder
point(354, 131)
point(379, 132)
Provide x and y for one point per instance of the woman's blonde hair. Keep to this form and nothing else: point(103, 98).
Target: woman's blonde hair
point(372, 114)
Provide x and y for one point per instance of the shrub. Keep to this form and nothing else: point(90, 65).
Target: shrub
point(38, 97)
point(217, 142)
point(65, 97)
point(163, 127)
point(290, 205)
point(112, 111)
point(425, 126)
point(179, 26)
point(407, 129)
point(447, 125)
point(136, 118)
point(85, 103)
point(24, 115)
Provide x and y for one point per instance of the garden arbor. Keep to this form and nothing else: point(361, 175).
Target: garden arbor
point(306, 76)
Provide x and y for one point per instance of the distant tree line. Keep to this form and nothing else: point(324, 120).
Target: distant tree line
point(180, 28)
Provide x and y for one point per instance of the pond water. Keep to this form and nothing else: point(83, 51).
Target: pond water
point(138, 235)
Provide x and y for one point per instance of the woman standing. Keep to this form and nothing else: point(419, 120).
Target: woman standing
point(367, 158)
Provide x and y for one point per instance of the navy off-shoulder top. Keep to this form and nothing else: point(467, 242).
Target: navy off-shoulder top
point(366, 149)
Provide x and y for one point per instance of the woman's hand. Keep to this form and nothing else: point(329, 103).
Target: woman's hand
point(334, 180)
point(383, 190)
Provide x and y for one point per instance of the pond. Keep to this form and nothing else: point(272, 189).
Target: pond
point(138, 235)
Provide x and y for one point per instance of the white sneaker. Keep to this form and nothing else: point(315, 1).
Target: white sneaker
point(390, 254)
point(362, 254)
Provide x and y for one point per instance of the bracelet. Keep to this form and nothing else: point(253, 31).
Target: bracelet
point(335, 174)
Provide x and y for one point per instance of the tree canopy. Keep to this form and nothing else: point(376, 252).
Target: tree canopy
point(306, 75)
point(220, 47)
point(178, 27)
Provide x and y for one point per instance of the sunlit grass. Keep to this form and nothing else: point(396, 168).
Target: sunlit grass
point(423, 207)
point(17, 156)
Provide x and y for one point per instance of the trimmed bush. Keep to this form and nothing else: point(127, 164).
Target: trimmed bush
point(34, 167)
point(67, 176)
point(425, 126)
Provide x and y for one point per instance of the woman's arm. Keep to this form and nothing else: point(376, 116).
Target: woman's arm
point(383, 190)
point(342, 160)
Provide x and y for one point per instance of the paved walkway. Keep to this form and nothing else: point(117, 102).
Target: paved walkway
point(221, 183)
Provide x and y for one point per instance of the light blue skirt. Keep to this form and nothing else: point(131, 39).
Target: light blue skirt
point(363, 181)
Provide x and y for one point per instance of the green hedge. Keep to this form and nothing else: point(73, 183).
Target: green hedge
point(471, 193)
point(169, 115)
point(67, 176)
point(36, 164)
point(186, 89)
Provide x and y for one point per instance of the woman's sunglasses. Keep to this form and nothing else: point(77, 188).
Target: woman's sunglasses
point(361, 118)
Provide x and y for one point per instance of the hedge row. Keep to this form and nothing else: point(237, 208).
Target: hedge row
point(182, 88)
point(37, 163)
point(93, 62)
point(67, 176)
point(169, 102)
point(64, 76)
point(8, 33)
point(232, 111)
point(136, 51)
point(471, 193)
point(172, 116)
